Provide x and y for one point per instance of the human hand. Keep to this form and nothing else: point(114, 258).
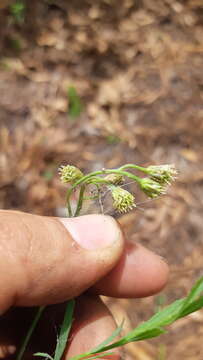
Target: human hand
point(48, 260)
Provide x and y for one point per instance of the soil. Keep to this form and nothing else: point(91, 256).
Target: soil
point(137, 70)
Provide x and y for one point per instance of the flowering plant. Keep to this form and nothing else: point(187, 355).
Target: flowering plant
point(153, 184)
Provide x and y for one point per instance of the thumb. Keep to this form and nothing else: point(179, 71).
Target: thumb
point(47, 260)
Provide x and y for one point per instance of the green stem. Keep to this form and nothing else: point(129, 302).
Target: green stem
point(80, 201)
point(86, 178)
point(30, 331)
point(137, 167)
point(94, 181)
point(68, 205)
point(82, 182)
point(94, 197)
point(98, 180)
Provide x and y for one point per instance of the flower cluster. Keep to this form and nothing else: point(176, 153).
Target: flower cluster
point(164, 174)
point(154, 185)
point(114, 179)
point(123, 200)
point(152, 188)
point(70, 173)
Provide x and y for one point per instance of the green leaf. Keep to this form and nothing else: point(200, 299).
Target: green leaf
point(109, 339)
point(30, 332)
point(154, 326)
point(195, 306)
point(65, 329)
point(75, 105)
point(100, 356)
point(161, 318)
point(63, 335)
point(173, 312)
point(98, 349)
point(148, 334)
point(47, 356)
point(193, 297)
point(112, 139)
point(18, 11)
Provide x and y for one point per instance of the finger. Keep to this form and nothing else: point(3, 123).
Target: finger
point(46, 260)
point(138, 273)
point(92, 324)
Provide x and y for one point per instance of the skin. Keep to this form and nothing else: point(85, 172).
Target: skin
point(45, 261)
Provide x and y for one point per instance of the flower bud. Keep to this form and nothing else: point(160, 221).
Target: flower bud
point(69, 173)
point(123, 199)
point(152, 188)
point(115, 179)
point(164, 174)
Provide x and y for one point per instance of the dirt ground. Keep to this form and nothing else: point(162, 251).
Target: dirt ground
point(137, 67)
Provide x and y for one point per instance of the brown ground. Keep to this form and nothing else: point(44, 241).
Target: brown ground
point(138, 68)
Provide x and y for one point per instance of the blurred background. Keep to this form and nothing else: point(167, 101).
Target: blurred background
point(99, 84)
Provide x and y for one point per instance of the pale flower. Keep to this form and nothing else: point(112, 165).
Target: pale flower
point(163, 174)
point(115, 179)
point(152, 188)
point(69, 173)
point(123, 199)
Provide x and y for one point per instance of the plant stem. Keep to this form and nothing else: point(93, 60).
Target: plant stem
point(85, 179)
point(140, 168)
point(80, 201)
point(68, 205)
point(30, 331)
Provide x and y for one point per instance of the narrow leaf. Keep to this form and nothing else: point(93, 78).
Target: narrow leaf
point(154, 326)
point(148, 334)
point(75, 105)
point(100, 356)
point(102, 346)
point(195, 306)
point(162, 318)
point(109, 339)
point(47, 356)
point(65, 329)
point(30, 332)
point(195, 292)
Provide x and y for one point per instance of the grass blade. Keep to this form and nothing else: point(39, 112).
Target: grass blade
point(196, 291)
point(30, 331)
point(100, 356)
point(109, 339)
point(75, 105)
point(101, 346)
point(155, 326)
point(65, 329)
point(47, 356)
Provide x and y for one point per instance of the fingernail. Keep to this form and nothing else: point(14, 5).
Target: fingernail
point(93, 232)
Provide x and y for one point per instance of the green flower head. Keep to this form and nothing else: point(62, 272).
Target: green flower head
point(152, 188)
point(115, 179)
point(123, 199)
point(164, 174)
point(70, 173)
